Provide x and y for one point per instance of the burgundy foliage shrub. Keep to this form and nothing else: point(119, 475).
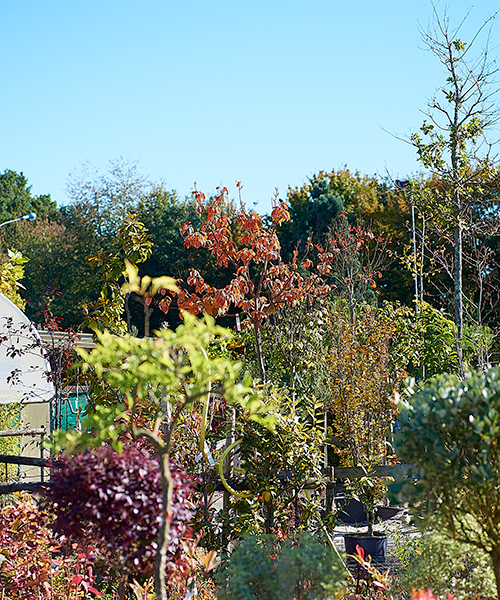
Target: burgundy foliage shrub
point(115, 501)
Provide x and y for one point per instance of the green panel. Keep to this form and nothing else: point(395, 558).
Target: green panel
point(68, 411)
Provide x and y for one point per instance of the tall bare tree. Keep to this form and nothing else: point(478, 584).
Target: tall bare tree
point(452, 145)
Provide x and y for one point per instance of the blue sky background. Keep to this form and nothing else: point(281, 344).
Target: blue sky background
point(266, 92)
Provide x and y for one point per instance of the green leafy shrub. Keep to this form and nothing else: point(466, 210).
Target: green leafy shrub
point(9, 419)
point(450, 431)
point(406, 546)
point(267, 568)
point(11, 271)
point(278, 463)
point(444, 565)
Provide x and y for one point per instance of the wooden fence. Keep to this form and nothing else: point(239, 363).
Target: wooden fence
point(237, 483)
point(29, 461)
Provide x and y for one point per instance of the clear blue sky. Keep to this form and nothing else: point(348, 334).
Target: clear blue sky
point(266, 92)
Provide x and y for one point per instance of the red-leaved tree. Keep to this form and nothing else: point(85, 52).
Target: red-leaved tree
point(261, 281)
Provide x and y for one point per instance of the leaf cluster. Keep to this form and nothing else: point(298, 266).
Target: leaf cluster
point(450, 431)
point(35, 564)
point(425, 340)
point(264, 567)
point(363, 379)
point(173, 366)
point(131, 244)
point(293, 340)
point(442, 564)
point(16, 200)
point(10, 418)
point(114, 501)
point(11, 272)
point(262, 282)
point(282, 460)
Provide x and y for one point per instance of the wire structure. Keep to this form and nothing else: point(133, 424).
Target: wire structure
point(68, 408)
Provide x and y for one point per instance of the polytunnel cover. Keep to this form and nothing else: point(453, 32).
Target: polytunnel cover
point(24, 369)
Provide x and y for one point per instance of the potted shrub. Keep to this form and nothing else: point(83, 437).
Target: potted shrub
point(370, 491)
point(363, 380)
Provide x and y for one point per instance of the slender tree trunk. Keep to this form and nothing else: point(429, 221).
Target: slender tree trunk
point(351, 307)
point(325, 433)
point(128, 314)
point(414, 241)
point(269, 515)
point(122, 586)
point(455, 138)
point(458, 287)
point(147, 314)
point(459, 310)
point(258, 352)
point(162, 540)
point(370, 519)
point(228, 472)
point(421, 266)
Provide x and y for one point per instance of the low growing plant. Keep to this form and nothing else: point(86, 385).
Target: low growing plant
point(407, 546)
point(428, 595)
point(35, 565)
point(370, 581)
point(10, 417)
point(269, 568)
point(450, 431)
point(444, 565)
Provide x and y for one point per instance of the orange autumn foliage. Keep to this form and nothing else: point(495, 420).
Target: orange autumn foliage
point(261, 282)
point(363, 383)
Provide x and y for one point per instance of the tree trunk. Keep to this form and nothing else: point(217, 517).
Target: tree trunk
point(495, 559)
point(162, 540)
point(414, 241)
point(455, 139)
point(351, 307)
point(258, 352)
point(421, 266)
point(269, 515)
point(370, 520)
point(458, 300)
point(122, 586)
point(459, 311)
point(228, 472)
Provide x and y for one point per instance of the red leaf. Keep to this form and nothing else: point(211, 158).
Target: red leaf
point(77, 579)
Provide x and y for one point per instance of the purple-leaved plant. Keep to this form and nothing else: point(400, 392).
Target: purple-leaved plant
point(115, 501)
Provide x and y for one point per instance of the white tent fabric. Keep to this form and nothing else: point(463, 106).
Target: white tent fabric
point(23, 366)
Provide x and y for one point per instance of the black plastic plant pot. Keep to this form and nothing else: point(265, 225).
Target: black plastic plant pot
point(374, 546)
